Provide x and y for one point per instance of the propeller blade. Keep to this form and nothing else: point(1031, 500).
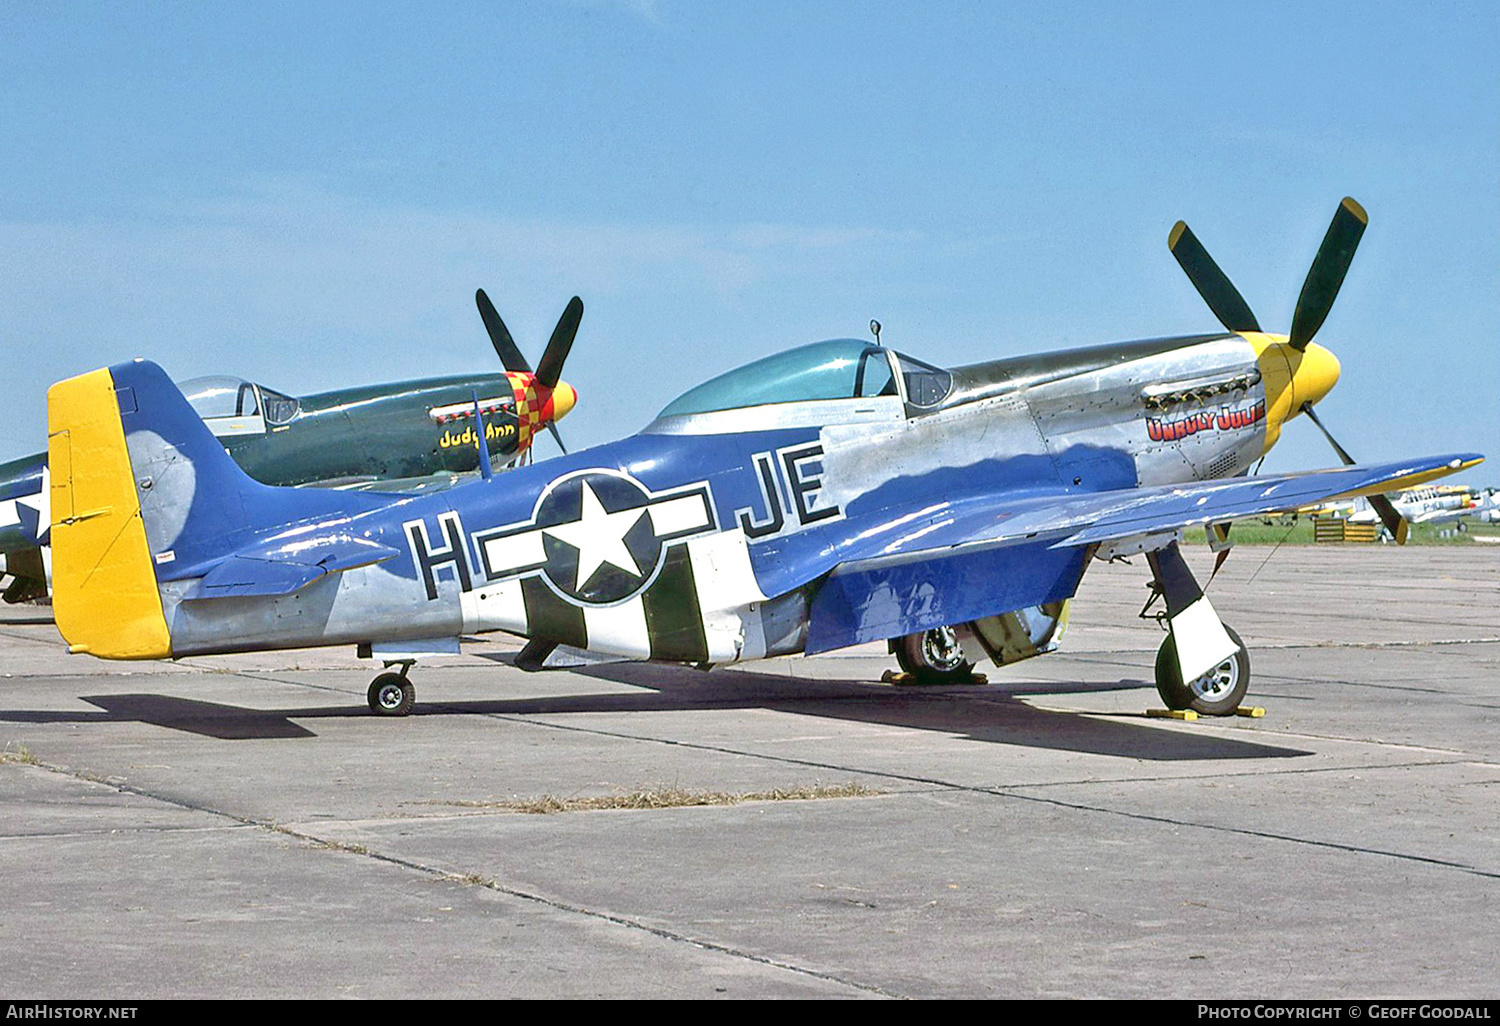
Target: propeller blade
point(557, 437)
point(505, 346)
point(549, 370)
point(1307, 408)
point(1389, 516)
point(1218, 541)
point(1326, 275)
point(1212, 283)
point(1385, 509)
point(1218, 562)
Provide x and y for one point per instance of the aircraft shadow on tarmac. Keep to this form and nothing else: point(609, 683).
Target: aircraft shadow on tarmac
point(977, 713)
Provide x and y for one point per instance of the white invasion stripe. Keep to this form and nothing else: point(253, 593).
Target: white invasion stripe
point(726, 589)
point(678, 516)
point(721, 568)
point(514, 552)
point(618, 630)
point(496, 606)
point(1201, 640)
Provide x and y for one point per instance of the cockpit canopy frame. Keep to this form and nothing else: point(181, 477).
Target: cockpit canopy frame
point(223, 400)
point(832, 370)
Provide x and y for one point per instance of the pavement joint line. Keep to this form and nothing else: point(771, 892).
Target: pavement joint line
point(1285, 679)
point(1262, 731)
point(1005, 793)
point(471, 879)
point(475, 880)
point(1384, 745)
point(1261, 834)
point(1282, 646)
point(112, 675)
point(252, 675)
point(1433, 642)
point(1305, 771)
point(108, 831)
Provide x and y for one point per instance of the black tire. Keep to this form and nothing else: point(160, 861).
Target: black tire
point(391, 694)
point(934, 657)
point(1218, 692)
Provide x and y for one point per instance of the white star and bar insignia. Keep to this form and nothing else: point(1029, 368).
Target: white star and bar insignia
point(597, 536)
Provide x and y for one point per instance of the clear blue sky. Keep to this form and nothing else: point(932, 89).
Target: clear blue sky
point(308, 194)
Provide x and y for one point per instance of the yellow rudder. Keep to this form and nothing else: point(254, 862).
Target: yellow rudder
point(104, 593)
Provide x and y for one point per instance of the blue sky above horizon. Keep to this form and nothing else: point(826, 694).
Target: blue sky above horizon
point(308, 194)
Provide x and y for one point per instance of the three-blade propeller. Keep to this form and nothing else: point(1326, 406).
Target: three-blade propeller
point(1319, 290)
point(549, 371)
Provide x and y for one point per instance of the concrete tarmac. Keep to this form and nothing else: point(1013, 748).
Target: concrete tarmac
point(243, 827)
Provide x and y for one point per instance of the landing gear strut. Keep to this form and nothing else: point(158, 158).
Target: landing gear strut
point(391, 694)
point(1197, 642)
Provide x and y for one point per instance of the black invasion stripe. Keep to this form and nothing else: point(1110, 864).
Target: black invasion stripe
point(673, 620)
point(549, 617)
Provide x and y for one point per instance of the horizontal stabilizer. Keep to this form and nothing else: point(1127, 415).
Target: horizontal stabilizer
point(281, 567)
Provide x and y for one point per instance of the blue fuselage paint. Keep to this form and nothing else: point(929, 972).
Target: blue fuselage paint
point(718, 511)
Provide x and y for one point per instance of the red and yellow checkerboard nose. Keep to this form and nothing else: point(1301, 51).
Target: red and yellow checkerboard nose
point(537, 405)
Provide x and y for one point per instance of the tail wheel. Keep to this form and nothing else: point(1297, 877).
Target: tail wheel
point(391, 694)
point(934, 657)
point(1218, 692)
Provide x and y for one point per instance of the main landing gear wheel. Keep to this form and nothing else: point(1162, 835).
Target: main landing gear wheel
point(934, 657)
point(1217, 693)
point(391, 694)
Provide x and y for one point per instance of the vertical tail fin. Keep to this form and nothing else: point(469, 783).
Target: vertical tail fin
point(140, 490)
point(105, 598)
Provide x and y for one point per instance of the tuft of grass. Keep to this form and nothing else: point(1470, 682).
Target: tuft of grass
point(669, 797)
point(19, 754)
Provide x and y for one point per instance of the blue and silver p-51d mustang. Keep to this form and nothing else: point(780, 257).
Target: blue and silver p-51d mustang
point(836, 494)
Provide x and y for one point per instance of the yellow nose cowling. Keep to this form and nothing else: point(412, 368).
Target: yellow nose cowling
point(1313, 375)
point(1291, 378)
point(564, 396)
